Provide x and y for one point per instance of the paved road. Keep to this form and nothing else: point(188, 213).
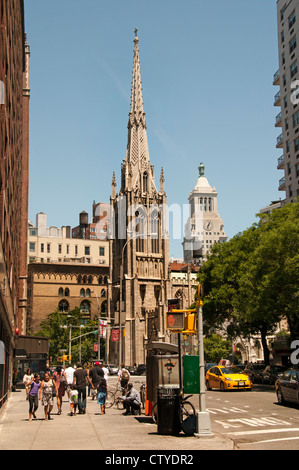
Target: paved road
point(253, 419)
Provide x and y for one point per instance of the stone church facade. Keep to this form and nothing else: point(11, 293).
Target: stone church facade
point(139, 242)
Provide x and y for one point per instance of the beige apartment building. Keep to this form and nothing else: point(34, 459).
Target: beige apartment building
point(54, 245)
point(64, 273)
point(287, 79)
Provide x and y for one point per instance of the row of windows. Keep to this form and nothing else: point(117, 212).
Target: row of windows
point(85, 307)
point(89, 279)
point(83, 292)
point(47, 249)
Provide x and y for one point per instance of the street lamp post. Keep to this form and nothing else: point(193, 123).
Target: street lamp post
point(99, 327)
point(121, 294)
point(203, 416)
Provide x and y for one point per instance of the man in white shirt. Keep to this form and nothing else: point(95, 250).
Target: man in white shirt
point(69, 373)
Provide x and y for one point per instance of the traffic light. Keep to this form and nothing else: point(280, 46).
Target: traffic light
point(190, 324)
point(176, 321)
point(182, 321)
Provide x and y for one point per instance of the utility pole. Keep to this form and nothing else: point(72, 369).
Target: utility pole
point(203, 416)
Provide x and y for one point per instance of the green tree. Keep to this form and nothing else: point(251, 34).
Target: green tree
point(56, 327)
point(251, 281)
point(216, 348)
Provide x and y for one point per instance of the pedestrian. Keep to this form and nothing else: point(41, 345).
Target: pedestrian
point(69, 373)
point(47, 390)
point(59, 379)
point(94, 376)
point(34, 396)
point(73, 399)
point(102, 394)
point(131, 400)
point(80, 379)
point(106, 372)
point(123, 376)
point(26, 379)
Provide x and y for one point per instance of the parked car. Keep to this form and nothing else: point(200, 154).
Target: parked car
point(227, 378)
point(141, 369)
point(270, 373)
point(287, 387)
point(254, 371)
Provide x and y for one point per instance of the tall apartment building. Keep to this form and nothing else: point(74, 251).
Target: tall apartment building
point(14, 156)
point(287, 78)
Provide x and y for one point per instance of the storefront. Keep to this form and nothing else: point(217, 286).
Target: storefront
point(31, 353)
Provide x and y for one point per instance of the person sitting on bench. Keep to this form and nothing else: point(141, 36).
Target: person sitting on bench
point(131, 400)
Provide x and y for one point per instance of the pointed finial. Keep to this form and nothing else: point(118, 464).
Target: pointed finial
point(201, 169)
point(136, 40)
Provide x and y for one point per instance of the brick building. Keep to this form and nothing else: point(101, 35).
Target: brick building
point(14, 156)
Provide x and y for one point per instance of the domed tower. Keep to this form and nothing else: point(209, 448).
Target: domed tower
point(204, 226)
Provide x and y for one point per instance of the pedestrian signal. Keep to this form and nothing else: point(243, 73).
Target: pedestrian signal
point(175, 321)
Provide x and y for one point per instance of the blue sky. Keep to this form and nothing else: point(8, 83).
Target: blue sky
point(207, 71)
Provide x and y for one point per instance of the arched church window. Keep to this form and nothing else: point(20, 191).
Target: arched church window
point(155, 231)
point(63, 306)
point(66, 292)
point(85, 306)
point(140, 229)
point(82, 293)
point(60, 292)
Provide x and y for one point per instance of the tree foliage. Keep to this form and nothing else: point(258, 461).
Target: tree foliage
point(251, 281)
point(56, 327)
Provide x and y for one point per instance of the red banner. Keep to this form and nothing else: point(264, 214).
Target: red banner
point(115, 335)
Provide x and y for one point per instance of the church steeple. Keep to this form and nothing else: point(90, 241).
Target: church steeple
point(137, 161)
point(136, 112)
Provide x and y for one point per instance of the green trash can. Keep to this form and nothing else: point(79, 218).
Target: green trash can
point(168, 404)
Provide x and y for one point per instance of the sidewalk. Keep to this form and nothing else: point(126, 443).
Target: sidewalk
point(91, 431)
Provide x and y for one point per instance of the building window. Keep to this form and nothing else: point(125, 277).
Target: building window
point(63, 306)
point(102, 251)
point(290, 191)
point(296, 119)
point(42, 247)
point(31, 246)
point(60, 292)
point(88, 292)
point(293, 44)
point(82, 293)
point(292, 19)
point(294, 69)
point(85, 306)
point(48, 247)
point(59, 248)
point(145, 182)
point(76, 249)
point(87, 250)
point(296, 144)
point(297, 169)
point(66, 292)
point(103, 293)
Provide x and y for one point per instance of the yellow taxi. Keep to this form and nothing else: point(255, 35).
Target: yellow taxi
point(227, 378)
